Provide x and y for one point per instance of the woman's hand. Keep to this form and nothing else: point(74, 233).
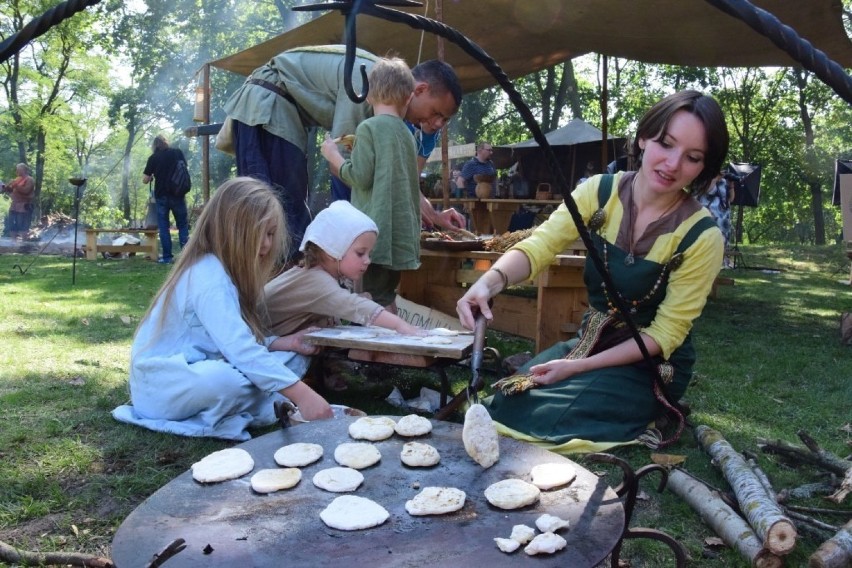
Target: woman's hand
point(474, 301)
point(296, 343)
point(450, 219)
point(329, 148)
point(555, 371)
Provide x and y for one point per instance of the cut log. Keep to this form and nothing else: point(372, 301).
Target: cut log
point(836, 552)
point(777, 532)
point(724, 521)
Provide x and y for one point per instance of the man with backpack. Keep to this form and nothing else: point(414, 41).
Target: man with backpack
point(167, 166)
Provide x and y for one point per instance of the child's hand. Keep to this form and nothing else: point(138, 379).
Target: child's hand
point(296, 343)
point(329, 148)
point(408, 329)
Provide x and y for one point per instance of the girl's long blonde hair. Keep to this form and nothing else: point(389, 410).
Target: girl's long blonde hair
point(232, 227)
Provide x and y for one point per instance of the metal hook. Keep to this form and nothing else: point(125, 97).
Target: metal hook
point(349, 58)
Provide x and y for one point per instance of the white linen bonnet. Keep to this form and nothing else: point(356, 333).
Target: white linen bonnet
point(336, 227)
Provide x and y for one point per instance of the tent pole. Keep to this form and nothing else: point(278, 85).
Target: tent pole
point(205, 140)
point(445, 139)
point(604, 113)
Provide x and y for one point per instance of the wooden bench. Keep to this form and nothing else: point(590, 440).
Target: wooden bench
point(148, 245)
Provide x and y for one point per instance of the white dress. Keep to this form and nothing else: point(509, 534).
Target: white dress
point(203, 373)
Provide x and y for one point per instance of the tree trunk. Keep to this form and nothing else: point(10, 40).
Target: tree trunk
point(764, 515)
point(125, 172)
point(836, 552)
point(724, 521)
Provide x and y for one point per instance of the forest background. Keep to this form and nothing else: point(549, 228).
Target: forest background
point(87, 97)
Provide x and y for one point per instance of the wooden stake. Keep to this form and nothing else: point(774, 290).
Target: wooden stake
point(777, 532)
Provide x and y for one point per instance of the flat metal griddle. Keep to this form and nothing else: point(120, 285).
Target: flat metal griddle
point(284, 528)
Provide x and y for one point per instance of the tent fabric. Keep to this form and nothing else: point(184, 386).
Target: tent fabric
point(524, 36)
point(575, 133)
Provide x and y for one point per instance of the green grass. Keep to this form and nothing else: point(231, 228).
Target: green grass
point(770, 364)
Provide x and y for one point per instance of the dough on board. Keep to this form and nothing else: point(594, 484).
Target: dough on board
point(437, 340)
point(299, 454)
point(352, 513)
point(223, 465)
point(356, 335)
point(443, 331)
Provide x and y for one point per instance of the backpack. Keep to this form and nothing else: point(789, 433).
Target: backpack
point(180, 182)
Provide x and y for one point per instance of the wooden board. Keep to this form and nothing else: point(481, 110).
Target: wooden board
point(459, 348)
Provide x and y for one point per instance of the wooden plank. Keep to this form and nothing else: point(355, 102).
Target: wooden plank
point(459, 347)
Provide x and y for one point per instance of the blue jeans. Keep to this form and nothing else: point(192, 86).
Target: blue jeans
point(177, 205)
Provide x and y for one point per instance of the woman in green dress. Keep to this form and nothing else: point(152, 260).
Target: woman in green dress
point(662, 250)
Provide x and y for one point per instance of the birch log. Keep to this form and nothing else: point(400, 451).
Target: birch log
point(724, 521)
point(836, 552)
point(764, 515)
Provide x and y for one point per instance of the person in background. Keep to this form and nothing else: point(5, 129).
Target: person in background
point(302, 88)
point(22, 191)
point(200, 363)
point(336, 247)
point(480, 164)
point(662, 250)
point(160, 166)
point(383, 174)
point(717, 199)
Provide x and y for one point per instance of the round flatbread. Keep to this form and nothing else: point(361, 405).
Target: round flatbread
point(415, 454)
point(271, 480)
point(549, 475)
point(373, 428)
point(437, 340)
point(223, 465)
point(413, 425)
point(299, 454)
point(512, 494)
point(338, 479)
point(436, 501)
point(351, 513)
point(357, 455)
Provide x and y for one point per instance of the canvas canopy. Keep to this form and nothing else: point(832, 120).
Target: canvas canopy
point(576, 144)
point(524, 36)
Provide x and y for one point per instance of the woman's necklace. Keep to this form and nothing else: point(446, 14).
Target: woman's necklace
point(630, 258)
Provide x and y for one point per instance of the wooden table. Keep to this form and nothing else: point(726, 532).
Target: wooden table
point(553, 315)
point(493, 216)
point(148, 246)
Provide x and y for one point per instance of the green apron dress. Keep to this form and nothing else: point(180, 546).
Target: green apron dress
point(613, 405)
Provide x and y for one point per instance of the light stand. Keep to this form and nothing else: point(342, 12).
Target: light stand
point(78, 184)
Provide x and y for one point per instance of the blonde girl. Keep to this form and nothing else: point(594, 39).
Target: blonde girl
point(200, 363)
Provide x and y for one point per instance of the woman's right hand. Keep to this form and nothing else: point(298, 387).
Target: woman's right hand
point(474, 301)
